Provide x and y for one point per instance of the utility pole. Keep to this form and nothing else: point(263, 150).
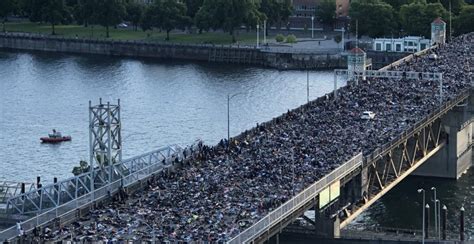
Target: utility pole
point(265, 31)
point(307, 86)
point(423, 220)
point(343, 46)
point(450, 22)
point(357, 33)
point(258, 35)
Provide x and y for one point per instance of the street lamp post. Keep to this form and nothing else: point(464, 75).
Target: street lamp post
point(343, 32)
point(258, 35)
point(307, 86)
point(265, 31)
point(229, 97)
point(312, 27)
point(421, 190)
point(439, 218)
point(436, 216)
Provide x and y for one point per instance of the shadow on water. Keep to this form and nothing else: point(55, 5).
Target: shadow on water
point(402, 206)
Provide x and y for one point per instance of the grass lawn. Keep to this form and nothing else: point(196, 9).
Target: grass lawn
point(129, 34)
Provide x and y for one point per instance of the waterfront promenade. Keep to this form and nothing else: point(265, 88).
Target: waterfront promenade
point(227, 187)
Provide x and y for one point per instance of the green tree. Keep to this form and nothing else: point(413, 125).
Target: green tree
point(192, 7)
point(150, 17)
point(456, 5)
point(35, 9)
point(416, 17)
point(228, 15)
point(276, 11)
point(326, 12)
point(6, 8)
point(173, 16)
point(464, 23)
point(109, 13)
point(53, 13)
point(396, 4)
point(84, 12)
point(134, 14)
point(376, 18)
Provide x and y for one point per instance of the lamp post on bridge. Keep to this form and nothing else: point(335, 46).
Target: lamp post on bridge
point(258, 35)
point(307, 86)
point(421, 190)
point(343, 45)
point(265, 32)
point(436, 212)
point(312, 27)
point(229, 97)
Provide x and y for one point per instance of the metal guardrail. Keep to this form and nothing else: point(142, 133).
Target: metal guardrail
point(290, 50)
point(140, 167)
point(54, 195)
point(297, 201)
point(10, 189)
point(408, 58)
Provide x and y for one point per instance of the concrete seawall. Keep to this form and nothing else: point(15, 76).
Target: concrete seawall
point(207, 52)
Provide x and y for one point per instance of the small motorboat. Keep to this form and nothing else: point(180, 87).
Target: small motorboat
point(55, 137)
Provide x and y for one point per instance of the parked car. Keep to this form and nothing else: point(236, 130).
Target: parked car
point(122, 25)
point(367, 115)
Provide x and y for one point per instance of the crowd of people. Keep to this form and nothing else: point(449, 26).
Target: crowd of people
point(221, 190)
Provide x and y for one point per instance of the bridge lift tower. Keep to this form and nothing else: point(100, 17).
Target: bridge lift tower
point(105, 140)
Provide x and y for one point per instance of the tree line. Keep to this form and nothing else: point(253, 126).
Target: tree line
point(166, 15)
point(376, 18)
point(379, 18)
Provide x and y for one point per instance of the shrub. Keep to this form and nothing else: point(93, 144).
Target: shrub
point(291, 39)
point(280, 38)
point(337, 39)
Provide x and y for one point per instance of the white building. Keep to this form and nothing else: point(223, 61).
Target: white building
point(406, 44)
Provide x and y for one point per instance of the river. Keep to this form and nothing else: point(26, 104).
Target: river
point(167, 103)
point(163, 103)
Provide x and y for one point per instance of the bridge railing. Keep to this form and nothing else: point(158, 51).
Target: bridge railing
point(68, 211)
point(9, 189)
point(297, 201)
point(54, 195)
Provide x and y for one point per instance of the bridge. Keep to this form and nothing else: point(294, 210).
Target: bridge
point(438, 144)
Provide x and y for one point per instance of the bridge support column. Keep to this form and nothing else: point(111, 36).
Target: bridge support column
point(328, 227)
point(355, 190)
point(456, 157)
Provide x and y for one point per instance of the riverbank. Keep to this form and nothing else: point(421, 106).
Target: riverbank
point(98, 32)
point(235, 54)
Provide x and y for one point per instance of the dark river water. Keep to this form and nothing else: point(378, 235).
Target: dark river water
point(167, 103)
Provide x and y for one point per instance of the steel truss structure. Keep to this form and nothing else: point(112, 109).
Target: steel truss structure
point(105, 142)
point(391, 163)
point(389, 74)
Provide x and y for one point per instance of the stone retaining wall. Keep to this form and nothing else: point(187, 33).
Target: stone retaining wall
point(195, 52)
